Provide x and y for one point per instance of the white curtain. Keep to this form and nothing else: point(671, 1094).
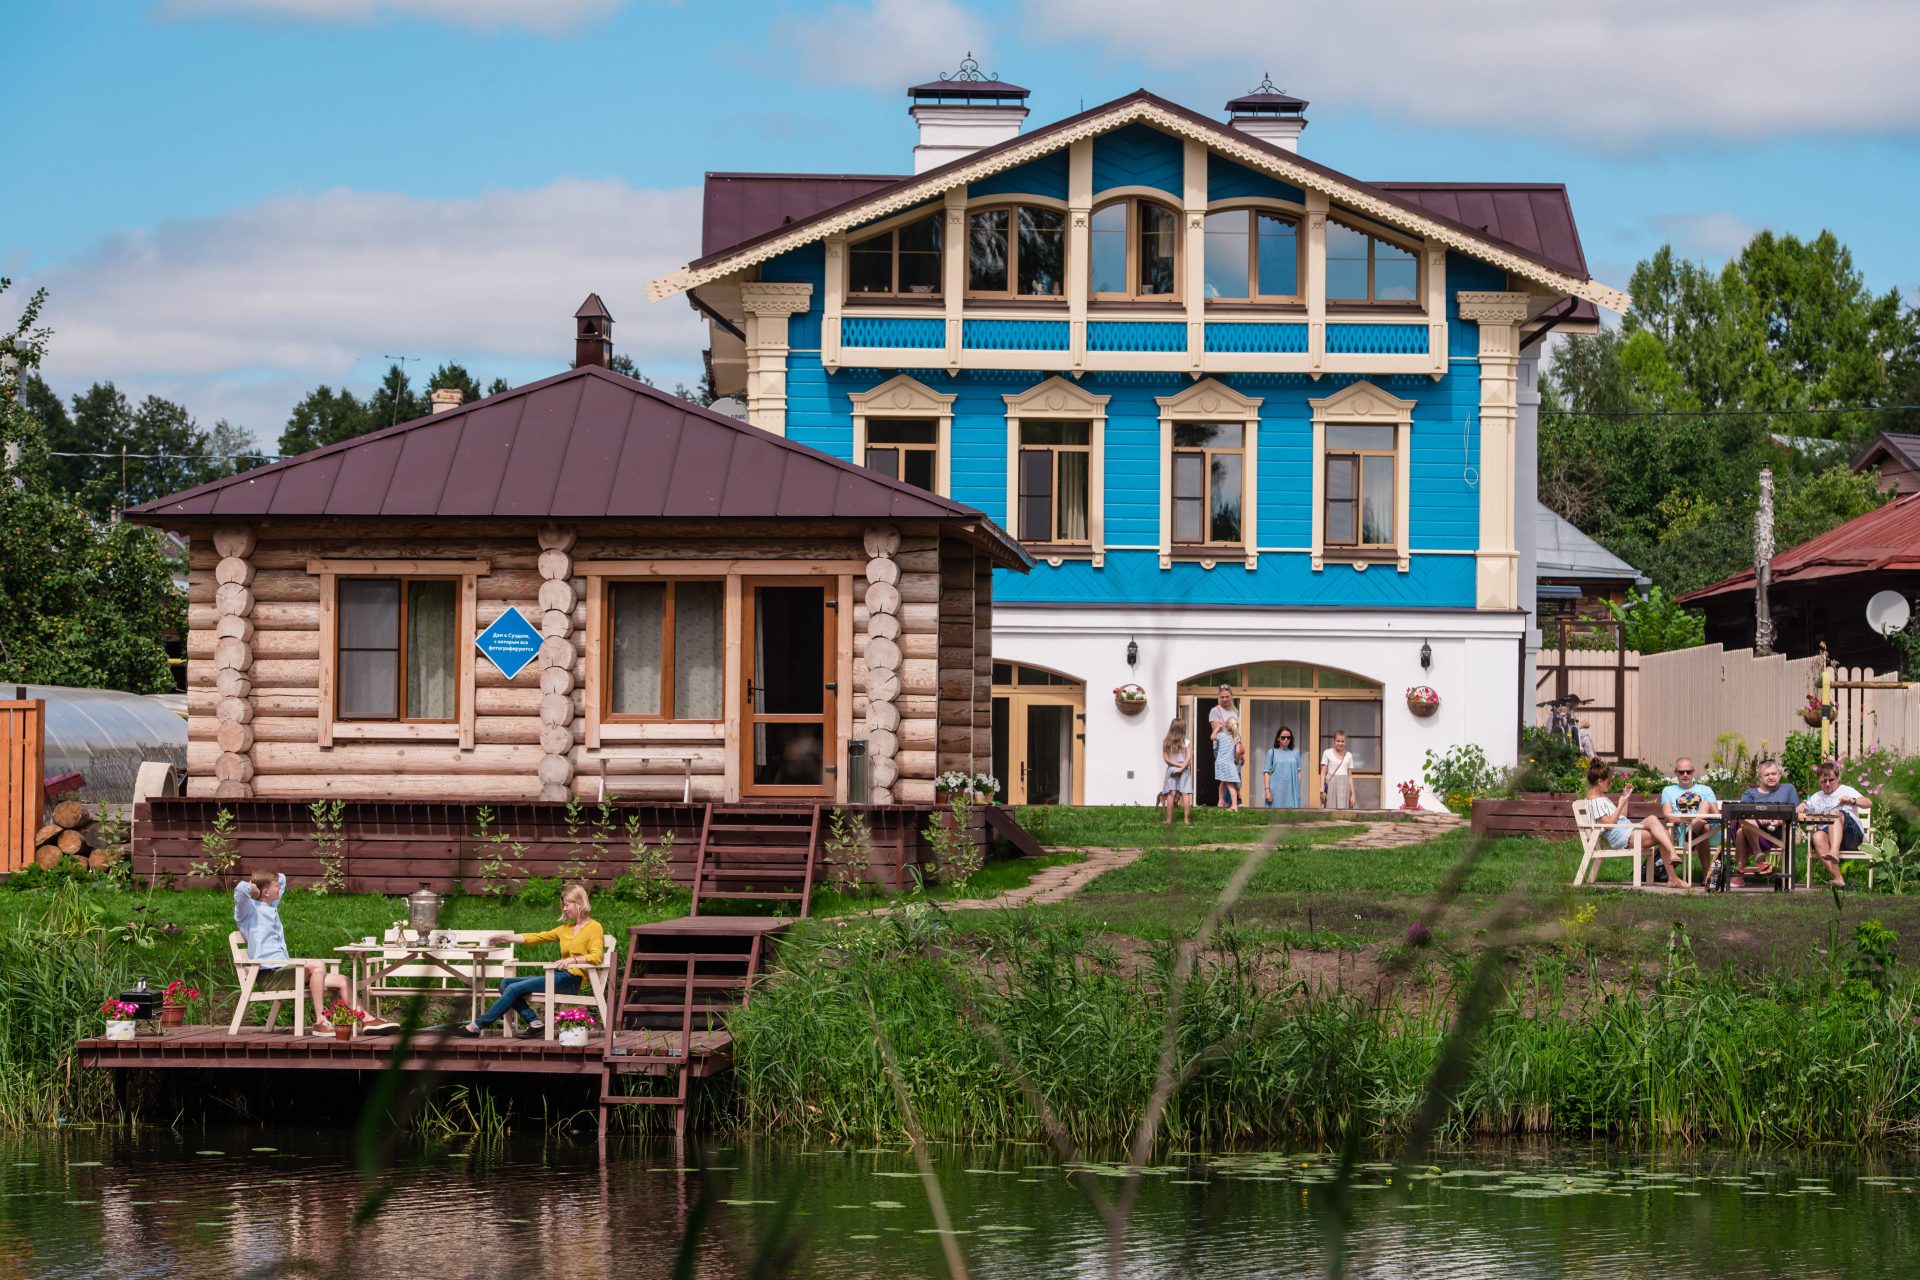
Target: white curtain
point(698, 669)
point(1072, 500)
point(431, 617)
point(639, 633)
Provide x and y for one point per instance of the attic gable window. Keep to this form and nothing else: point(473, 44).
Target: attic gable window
point(901, 262)
point(1252, 254)
point(1132, 249)
point(1366, 268)
point(1016, 251)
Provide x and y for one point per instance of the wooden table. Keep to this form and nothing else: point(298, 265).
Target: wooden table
point(463, 962)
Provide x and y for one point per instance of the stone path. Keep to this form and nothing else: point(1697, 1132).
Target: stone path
point(1402, 831)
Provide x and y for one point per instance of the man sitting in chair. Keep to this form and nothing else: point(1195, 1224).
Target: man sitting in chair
point(1829, 815)
point(256, 912)
point(1757, 842)
point(1686, 805)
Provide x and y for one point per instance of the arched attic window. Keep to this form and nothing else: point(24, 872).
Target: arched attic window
point(1252, 254)
point(1365, 268)
point(900, 262)
point(1133, 250)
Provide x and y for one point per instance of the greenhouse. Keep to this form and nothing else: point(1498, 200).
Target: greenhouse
point(104, 735)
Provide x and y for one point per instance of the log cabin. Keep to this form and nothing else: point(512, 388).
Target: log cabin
point(706, 611)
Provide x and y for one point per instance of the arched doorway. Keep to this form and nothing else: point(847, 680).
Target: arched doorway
point(1039, 735)
point(1315, 702)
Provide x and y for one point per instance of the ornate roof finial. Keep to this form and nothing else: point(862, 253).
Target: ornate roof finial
point(970, 71)
point(1266, 84)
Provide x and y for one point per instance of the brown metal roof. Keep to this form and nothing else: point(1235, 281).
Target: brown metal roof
point(1886, 539)
point(1903, 449)
point(746, 206)
point(966, 89)
point(584, 444)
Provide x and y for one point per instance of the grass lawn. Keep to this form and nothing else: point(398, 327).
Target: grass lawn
point(1144, 827)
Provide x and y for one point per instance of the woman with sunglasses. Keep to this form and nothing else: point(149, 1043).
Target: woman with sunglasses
point(1283, 765)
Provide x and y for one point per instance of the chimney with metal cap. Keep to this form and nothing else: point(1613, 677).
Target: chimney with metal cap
point(445, 398)
point(1269, 115)
point(592, 334)
point(963, 112)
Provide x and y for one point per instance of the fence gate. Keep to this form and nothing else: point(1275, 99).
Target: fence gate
point(1587, 658)
point(23, 747)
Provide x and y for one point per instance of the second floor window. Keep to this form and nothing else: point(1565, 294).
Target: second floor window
point(1017, 252)
point(396, 651)
point(1054, 467)
point(1252, 254)
point(903, 262)
point(1360, 500)
point(906, 449)
point(1208, 463)
point(1131, 250)
point(1364, 268)
point(664, 656)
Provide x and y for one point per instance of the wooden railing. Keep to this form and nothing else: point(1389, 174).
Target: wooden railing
point(23, 750)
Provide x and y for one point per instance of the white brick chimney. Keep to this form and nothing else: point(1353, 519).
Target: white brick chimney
point(445, 398)
point(1269, 115)
point(963, 113)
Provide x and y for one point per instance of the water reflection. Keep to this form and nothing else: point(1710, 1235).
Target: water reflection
point(264, 1202)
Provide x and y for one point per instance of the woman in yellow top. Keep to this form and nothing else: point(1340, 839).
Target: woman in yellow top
point(581, 940)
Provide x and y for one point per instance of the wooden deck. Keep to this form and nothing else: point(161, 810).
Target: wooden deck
point(211, 1048)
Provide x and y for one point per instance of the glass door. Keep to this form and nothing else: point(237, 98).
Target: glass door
point(788, 734)
point(1266, 717)
point(1038, 736)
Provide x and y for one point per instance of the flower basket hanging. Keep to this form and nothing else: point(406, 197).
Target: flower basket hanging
point(1422, 700)
point(1131, 699)
point(1810, 711)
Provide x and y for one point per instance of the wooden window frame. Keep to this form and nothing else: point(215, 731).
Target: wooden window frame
point(665, 714)
point(1364, 405)
point(931, 448)
point(1359, 458)
point(1053, 469)
point(892, 231)
point(1254, 213)
point(1212, 403)
point(330, 727)
point(1012, 209)
point(1058, 400)
point(907, 397)
point(1411, 305)
point(1207, 453)
point(1132, 293)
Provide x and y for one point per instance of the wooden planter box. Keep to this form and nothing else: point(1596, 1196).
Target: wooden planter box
point(1542, 813)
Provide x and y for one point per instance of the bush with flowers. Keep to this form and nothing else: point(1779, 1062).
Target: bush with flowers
point(342, 1014)
point(118, 1011)
point(576, 1018)
point(178, 995)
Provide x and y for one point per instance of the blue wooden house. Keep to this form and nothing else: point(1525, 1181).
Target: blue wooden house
point(1260, 424)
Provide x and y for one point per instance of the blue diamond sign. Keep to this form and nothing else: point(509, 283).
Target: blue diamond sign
point(510, 643)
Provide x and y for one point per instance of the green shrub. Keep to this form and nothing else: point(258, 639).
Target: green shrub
point(1551, 756)
point(1800, 759)
point(1460, 773)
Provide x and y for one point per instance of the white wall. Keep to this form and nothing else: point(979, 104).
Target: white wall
point(1475, 670)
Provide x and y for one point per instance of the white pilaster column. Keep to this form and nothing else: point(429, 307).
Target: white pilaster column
point(1079, 210)
point(1316, 282)
point(768, 306)
point(1497, 563)
point(1193, 222)
point(953, 273)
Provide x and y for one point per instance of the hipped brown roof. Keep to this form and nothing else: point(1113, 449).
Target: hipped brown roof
point(585, 444)
point(1885, 540)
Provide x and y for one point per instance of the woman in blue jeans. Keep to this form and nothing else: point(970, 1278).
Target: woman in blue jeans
point(581, 939)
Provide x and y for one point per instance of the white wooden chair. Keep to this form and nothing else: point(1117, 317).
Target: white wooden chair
point(248, 972)
point(1594, 847)
point(424, 977)
point(1845, 855)
point(592, 996)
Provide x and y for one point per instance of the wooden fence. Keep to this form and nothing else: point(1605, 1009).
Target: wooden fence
point(1684, 702)
point(1604, 679)
point(23, 750)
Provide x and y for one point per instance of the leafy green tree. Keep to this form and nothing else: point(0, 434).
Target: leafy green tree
point(394, 401)
point(1650, 622)
point(22, 438)
point(109, 453)
point(323, 417)
point(498, 385)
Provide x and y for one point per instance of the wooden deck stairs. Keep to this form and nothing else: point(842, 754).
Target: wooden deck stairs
point(680, 981)
point(768, 852)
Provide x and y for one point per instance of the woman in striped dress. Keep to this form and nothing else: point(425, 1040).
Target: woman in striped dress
point(1226, 761)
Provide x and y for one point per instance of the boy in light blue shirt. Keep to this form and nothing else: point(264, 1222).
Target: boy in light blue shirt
point(256, 911)
point(1686, 805)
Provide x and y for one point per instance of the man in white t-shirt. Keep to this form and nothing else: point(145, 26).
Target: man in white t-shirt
point(1830, 817)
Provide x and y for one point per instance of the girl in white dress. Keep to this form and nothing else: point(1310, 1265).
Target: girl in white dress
point(1177, 782)
point(1336, 775)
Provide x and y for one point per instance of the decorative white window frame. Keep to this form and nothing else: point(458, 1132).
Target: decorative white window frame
point(1363, 404)
point(329, 727)
point(1057, 399)
point(907, 397)
point(1211, 400)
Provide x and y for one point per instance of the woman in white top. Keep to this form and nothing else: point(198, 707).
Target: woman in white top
point(1336, 775)
point(1611, 816)
point(1829, 815)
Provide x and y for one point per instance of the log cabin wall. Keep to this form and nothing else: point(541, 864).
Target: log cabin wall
point(536, 736)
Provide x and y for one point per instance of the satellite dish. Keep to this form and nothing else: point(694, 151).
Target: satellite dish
point(1887, 612)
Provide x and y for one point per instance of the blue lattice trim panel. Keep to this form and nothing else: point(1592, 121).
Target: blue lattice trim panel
point(1136, 335)
point(1014, 335)
point(878, 331)
point(1377, 339)
point(1264, 339)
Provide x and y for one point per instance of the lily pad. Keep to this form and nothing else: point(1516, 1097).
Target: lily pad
point(95, 1164)
point(886, 1204)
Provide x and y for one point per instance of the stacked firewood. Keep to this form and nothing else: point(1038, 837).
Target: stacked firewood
point(70, 833)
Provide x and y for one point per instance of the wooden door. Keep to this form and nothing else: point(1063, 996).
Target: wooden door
point(1043, 746)
point(789, 727)
point(22, 779)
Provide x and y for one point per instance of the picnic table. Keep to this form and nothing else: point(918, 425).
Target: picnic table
point(1722, 827)
point(443, 961)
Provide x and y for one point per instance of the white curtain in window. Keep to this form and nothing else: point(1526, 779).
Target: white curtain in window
point(698, 647)
point(431, 616)
point(639, 633)
point(1072, 514)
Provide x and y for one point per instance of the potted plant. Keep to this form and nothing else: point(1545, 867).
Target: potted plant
point(1811, 712)
point(985, 787)
point(119, 1016)
point(1131, 699)
point(1409, 794)
point(345, 1018)
point(174, 1001)
point(1422, 700)
point(574, 1026)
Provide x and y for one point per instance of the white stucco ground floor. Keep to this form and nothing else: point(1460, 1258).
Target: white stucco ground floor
point(1061, 737)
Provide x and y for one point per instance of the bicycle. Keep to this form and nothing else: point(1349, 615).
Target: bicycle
point(1562, 724)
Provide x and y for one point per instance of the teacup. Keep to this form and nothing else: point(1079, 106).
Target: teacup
point(367, 941)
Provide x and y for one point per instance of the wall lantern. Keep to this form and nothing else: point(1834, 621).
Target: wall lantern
point(1133, 653)
point(1426, 655)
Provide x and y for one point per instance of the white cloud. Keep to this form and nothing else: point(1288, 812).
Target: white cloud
point(883, 44)
point(549, 17)
point(1622, 73)
point(1716, 236)
point(238, 314)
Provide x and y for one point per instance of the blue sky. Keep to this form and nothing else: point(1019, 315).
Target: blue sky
point(234, 200)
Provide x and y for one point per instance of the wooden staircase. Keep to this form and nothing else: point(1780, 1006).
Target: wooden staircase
point(768, 852)
point(680, 980)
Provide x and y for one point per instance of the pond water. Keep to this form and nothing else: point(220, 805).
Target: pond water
point(259, 1202)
